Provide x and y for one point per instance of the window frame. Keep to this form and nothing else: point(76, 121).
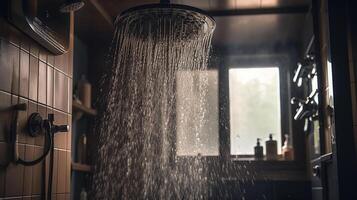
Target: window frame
point(282, 132)
point(224, 103)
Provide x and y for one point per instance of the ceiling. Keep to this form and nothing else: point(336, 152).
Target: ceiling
point(244, 31)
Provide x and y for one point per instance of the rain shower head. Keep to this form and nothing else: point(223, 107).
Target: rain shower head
point(71, 5)
point(147, 19)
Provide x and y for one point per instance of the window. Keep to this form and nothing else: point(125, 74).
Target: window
point(254, 96)
point(197, 113)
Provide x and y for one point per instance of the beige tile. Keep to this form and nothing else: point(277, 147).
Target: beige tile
point(51, 59)
point(34, 49)
point(61, 91)
point(42, 83)
point(60, 62)
point(14, 61)
point(60, 138)
point(61, 172)
point(24, 73)
point(4, 157)
point(68, 173)
point(33, 78)
point(55, 171)
point(21, 137)
point(43, 55)
point(5, 102)
point(37, 172)
point(50, 85)
point(29, 155)
point(15, 175)
point(6, 68)
point(22, 120)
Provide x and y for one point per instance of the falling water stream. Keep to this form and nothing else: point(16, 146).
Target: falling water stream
point(136, 155)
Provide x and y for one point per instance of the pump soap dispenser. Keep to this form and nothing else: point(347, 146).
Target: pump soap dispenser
point(258, 150)
point(287, 150)
point(271, 148)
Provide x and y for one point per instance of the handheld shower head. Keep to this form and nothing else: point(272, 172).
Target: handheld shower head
point(71, 5)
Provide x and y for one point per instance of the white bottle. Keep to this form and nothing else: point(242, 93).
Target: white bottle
point(83, 194)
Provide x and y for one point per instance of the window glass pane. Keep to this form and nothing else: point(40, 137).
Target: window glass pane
point(254, 95)
point(197, 112)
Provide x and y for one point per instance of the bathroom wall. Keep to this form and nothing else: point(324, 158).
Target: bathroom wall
point(30, 74)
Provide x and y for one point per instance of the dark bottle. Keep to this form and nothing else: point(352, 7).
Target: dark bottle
point(258, 151)
point(271, 148)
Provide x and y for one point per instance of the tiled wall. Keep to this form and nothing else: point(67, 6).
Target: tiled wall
point(30, 74)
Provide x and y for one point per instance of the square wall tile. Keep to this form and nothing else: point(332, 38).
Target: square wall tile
point(50, 85)
point(4, 155)
point(22, 120)
point(29, 155)
point(14, 62)
point(61, 172)
point(43, 55)
point(34, 49)
point(25, 43)
point(37, 172)
point(54, 174)
point(33, 80)
point(24, 73)
point(61, 91)
point(42, 83)
point(6, 68)
point(61, 138)
point(68, 173)
point(51, 59)
point(15, 175)
point(61, 62)
point(5, 102)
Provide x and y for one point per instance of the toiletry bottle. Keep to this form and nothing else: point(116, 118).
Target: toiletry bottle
point(287, 149)
point(85, 92)
point(271, 148)
point(258, 151)
point(83, 195)
point(82, 149)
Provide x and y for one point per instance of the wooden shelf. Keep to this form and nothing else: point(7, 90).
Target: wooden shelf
point(81, 108)
point(81, 167)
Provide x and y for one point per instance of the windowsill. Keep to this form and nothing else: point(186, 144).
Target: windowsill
point(253, 159)
point(242, 169)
